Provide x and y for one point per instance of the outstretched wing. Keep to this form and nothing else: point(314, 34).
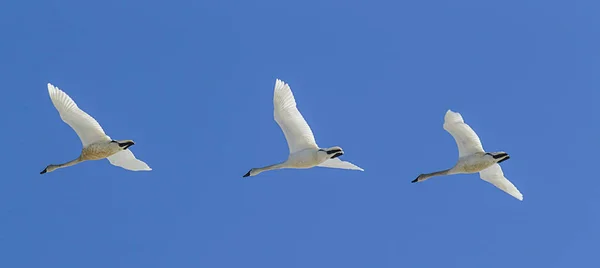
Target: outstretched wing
point(86, 127)
point(298, 134)
point(467, 141)
point(495, 176)
point(337, 163)
point(127, 160)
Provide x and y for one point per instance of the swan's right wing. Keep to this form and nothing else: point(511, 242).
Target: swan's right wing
point(495, 176)
point(298, 134)
point(467, 141)
point(337, 163)
point(127, 160)
point(86, 127)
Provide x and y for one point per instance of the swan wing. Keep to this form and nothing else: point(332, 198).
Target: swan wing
point(495, 176)
point(86, 127)
point(337, 163)
point(298, 134)
point(467, 141)
point(127, 160)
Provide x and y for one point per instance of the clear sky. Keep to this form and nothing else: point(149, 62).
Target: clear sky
point(191, 82)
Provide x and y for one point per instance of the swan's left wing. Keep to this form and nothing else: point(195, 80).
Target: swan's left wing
point(298, 134)
point(86, 127)
point(467, 141)
point(337, 163)
point(127, 160)
point(495, 176)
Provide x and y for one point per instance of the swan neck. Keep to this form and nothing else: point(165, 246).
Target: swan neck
point(68, 164)
point(271, 167)
point(433, 174)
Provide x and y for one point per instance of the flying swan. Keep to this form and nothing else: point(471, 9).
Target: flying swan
point(96, 144)
point(304, 152)
point(472, 158)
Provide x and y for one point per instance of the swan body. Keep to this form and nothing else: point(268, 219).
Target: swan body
point(303, 150)
point(100, 150)
point(472, 158)
point(96, 144)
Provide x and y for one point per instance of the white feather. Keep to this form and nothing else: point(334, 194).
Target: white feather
point(298, 134)
point(495, 176)
point(467, 141)
point(127, 160)
point(338, 163)
point(86, 127)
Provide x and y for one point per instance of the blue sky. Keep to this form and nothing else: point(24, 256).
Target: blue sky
point(192, 82)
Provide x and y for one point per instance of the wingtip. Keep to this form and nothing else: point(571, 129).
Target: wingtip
point(279, 83)
point(415, 180)
point(450, 111)
point(44, 171)
point(246, 175)
point(53, 90)
point(453, 117)
point(146, 168)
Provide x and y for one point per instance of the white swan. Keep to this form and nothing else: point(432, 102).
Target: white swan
point(304, 152)
point(472, 158)
point(96, 144)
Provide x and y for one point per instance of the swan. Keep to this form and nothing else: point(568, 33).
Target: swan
point(472, 158)
point(304, 152)
point(96, 144)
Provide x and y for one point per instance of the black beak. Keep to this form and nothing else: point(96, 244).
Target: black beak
point(246, 175)
point(44, 171)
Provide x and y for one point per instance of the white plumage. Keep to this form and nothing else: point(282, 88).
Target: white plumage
point(96, 144)
point(472, 158)
point(303, 149)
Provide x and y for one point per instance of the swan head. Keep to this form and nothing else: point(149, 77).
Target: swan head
point(421, 177)
point(332, 152)
point(252, 172)
point(49, 168)
point(124, 144)
point(499, 156)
